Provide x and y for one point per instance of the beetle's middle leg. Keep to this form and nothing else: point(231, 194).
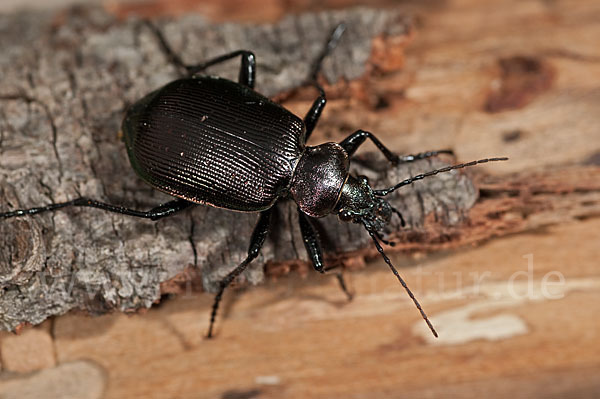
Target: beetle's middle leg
point(313, 114)
point(313, 248)
point(247, 75)
point(256, 242)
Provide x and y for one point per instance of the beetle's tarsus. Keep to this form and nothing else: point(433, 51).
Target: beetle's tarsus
point(256, 242)
point(332, 42)
point(313, 115)
point(342, 283)
point(422, 155)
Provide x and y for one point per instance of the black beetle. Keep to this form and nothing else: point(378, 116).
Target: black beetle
point(211, 141)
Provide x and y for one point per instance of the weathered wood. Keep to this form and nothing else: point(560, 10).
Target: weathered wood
point(64, 90)
point(301, 339)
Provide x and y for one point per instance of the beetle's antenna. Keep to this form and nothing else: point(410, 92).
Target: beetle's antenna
point(409, 292)
point(386, 191)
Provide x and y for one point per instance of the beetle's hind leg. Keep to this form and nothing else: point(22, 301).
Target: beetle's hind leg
point(256, 242)
point(156, 213)
point(247, 75)
point(315, 253)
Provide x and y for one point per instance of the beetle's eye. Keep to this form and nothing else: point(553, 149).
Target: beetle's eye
point(364, 179)
point(345, 216)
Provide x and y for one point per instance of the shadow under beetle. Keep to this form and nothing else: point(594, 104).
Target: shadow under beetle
point(212, 141)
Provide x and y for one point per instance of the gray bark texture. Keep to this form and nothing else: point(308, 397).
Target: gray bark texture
point(64, 86)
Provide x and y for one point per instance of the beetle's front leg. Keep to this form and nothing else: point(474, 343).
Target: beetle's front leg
point(313, 247)
point(256, 242)
point(356, 139)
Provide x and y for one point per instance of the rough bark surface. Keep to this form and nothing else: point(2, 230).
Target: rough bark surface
point(65, 85)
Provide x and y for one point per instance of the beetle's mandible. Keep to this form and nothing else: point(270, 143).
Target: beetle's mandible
point(211, 141)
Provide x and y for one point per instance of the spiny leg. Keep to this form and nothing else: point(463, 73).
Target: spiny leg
point(247, 75)
point(310, 237)
point(313, 115)
point(156, 213)
point(356, 139)
point(256, 242)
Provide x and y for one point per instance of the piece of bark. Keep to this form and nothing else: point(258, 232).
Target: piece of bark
point(65, 87)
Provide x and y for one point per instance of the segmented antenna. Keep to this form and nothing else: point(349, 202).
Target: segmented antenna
point(410, 294)
point(386, 191)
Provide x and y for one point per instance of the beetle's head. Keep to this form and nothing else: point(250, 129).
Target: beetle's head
point(359, 204)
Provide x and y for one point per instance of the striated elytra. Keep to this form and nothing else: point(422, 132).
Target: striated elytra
point(216, 142)
point(211, 141)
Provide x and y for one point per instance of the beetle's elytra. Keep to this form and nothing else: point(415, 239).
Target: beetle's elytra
point(211, 141)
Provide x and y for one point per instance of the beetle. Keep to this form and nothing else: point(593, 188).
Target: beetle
point(212, 141)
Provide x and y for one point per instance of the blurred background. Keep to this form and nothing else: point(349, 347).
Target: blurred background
point(514, 293)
